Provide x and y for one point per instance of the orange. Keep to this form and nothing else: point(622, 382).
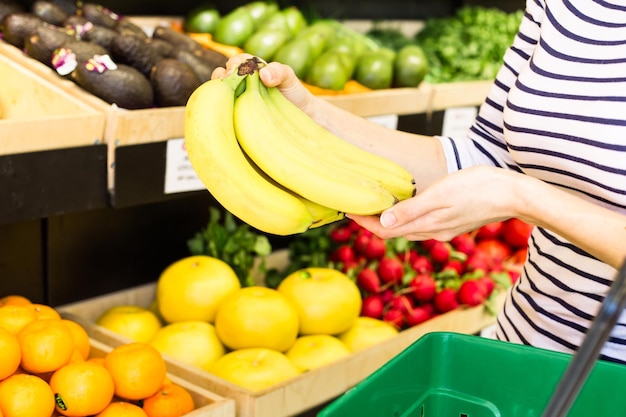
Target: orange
point(138, 370)
point(81, 338)
point(170, 401)
point(99, 361)
point(43, 311)
point(46, 345)
point(122, 409)
point(82, 389)
point(24, 395)
point(15, 300)
point(10, 354)
point(14, 317)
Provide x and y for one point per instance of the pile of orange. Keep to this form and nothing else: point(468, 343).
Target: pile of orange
point(47, 370)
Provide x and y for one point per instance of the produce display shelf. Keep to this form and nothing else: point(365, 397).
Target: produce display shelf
point(47, 137)
point(36, 114)
point(134, 139)
point(298, 394)
point(207, 403)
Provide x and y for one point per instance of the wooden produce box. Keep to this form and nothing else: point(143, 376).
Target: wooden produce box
point(298, 394)
point(123, 127)
point(458, 94)
point(36, 114)
point(208, 404)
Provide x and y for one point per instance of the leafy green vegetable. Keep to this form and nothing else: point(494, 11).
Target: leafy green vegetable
point(469, 45)
point(232, 242)
point(389, 36)
point(309, 249)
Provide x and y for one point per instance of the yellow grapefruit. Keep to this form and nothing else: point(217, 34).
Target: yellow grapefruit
point(316, 350)
point(327, 300)
point(134, 322)
point(366, 332)
point(192, 342)
point(254, 368)
point(257, 317)
point(192, 288)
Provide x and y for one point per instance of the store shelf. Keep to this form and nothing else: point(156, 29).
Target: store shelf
point(134, 141)
point(139, 175)
point(46, 183)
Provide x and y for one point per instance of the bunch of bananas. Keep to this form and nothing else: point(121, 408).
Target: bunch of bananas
point(275, 168)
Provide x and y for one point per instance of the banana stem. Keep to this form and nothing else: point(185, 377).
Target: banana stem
point(250, 65)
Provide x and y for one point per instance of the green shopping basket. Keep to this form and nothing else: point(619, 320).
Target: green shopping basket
point(445, 374)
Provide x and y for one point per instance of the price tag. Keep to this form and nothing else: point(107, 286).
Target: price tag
point(457, 121)
point(179, 173)
point(387, 120)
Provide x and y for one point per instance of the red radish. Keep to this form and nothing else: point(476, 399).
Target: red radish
point(401, 302)
point(440, 252)
point(471, 293)
point(423, 287)
point(354, 226)
point(445, 300)
point(519, 256)
point(361, 240)
point(372, 306)
point(478, 261)
point(368, 280)
point(390, 270)
point(344, 253)
point(464, 243)
point(341, 234)
point(515, 232)
point(408, 256)
point(496, 250)
point(488, 284)
point(422, 265)
point(514, 274)
point(375, 248)
point(453, 265)
point(489, 231)
point(387, 295)
point(395, 317)
point(428, 244)
point(419, 314)
point(350, 266)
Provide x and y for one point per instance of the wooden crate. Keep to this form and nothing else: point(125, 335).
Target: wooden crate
point(458, 94)
point(123, 127)
point(208, 404)
point(36, 114)
point(298, 394)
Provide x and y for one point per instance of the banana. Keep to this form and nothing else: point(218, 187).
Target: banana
point(265, 139)
point(223, 168)
point(321, 215)
point(391, 175)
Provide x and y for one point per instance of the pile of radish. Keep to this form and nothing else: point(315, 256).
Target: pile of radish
point(406, 283)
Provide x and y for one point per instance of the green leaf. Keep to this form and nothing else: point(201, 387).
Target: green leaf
point(233, 242)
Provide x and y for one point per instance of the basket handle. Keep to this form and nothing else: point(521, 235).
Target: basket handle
point(585, 357)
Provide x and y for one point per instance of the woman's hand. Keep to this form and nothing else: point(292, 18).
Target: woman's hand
point(274, 74)
point(457, 203)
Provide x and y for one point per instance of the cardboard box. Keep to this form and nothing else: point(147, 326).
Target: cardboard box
point(298, 394)
point(208, 404)
point(36, 114)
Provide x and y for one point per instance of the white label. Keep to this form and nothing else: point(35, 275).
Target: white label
point(387, 120)
point(457, 121)
point(179, 173)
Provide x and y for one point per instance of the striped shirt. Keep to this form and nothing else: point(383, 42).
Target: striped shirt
point(557, 111)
